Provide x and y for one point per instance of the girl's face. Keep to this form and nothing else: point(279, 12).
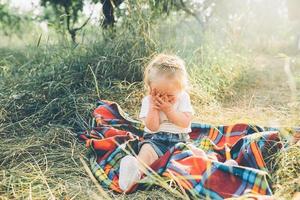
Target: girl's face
point(166, 86)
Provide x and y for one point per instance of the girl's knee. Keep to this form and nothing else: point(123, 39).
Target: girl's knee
point(147, 154)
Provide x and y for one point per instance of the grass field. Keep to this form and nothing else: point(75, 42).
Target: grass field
point(47, 93)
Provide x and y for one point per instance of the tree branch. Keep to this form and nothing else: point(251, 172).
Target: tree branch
point(188, 11)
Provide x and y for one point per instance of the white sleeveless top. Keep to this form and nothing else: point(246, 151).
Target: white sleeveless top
point(182, 104)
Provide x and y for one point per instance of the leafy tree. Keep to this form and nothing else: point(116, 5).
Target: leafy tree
point(108, 7)
point(157, 7)
point(9, 22)
point(67, 12)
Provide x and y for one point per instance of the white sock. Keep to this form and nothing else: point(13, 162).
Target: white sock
point(129, 172)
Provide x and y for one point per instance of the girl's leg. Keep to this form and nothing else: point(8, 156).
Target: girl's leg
point(146, 156)
point(131, 167)
point(129, 172)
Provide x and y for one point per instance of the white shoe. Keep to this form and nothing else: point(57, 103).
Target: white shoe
point(129, 172)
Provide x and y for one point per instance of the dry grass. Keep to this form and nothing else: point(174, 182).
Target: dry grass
point(48, 166)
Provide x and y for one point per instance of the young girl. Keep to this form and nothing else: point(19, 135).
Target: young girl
point(167, 113)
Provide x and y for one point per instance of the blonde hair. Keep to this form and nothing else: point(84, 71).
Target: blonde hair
point(169, 65)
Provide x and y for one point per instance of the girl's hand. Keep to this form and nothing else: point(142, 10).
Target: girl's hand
point(166, 98)
point(164, 103)
point(172, 99)
point(153, 94)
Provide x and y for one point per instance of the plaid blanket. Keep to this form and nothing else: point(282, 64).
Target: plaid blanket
point(114, 134)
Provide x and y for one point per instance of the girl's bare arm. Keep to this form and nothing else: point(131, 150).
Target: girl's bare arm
point(152, 119)
point(182, 119)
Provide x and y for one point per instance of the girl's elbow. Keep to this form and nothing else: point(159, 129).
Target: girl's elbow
point(152, 127)
point(185, 124)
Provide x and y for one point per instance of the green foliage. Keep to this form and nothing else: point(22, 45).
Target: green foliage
point(218, 71)
point(72, 7)
point(160, 7)
point(66, 13)
point(9, 22)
